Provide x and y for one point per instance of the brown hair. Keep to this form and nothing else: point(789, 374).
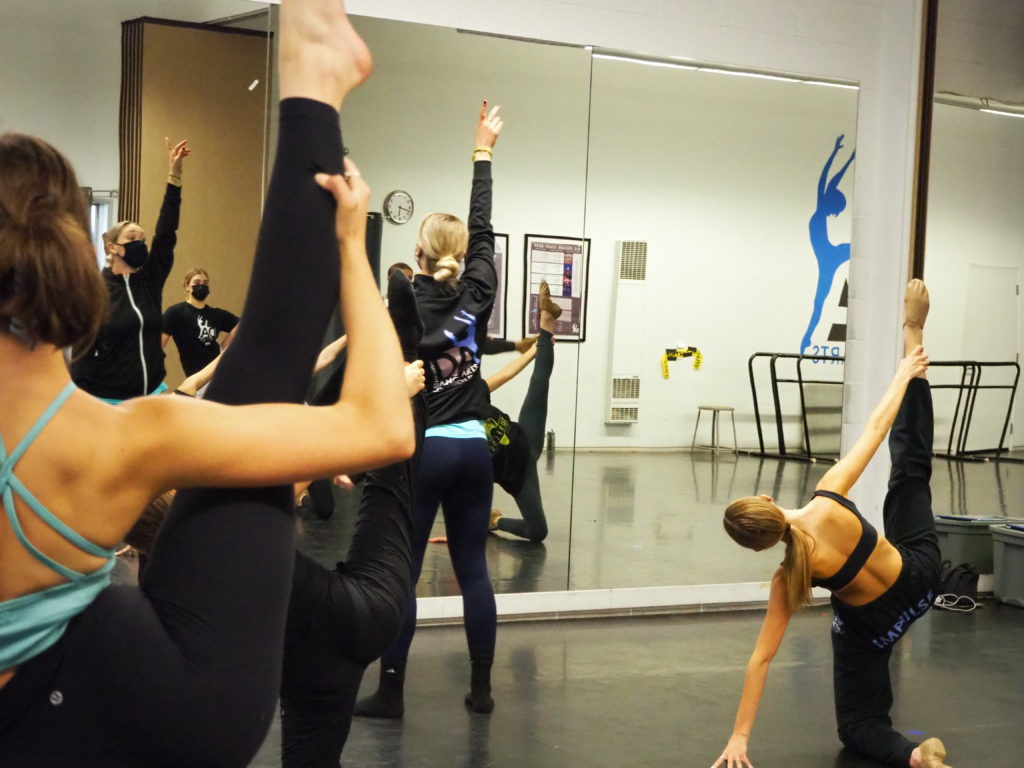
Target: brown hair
point(193, 272)
point(399, 265)
point(443, 239)
point(755, 523)
point(49, 281)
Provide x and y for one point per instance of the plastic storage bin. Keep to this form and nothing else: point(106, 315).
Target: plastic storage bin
point(967, 540)
point(1008, 548)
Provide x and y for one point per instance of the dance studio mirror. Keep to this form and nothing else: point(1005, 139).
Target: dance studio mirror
point(974, 255)
point(410, 129)
point(719, 220)
point(61, 67)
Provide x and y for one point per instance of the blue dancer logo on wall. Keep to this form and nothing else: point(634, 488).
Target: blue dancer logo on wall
point(830, 256)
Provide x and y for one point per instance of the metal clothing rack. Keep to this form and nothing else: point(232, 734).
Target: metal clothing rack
point(773, 359)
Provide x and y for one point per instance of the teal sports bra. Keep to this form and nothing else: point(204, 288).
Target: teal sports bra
point(31, 623)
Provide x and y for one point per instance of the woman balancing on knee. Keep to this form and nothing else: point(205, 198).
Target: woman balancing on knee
point(516, 445)
point(455, 468)
point(200, 640)
point(880, 584)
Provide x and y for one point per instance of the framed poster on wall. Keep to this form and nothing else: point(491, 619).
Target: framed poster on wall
point(496, 325)
point(564, 262)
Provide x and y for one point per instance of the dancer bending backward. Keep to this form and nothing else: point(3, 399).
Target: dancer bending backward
point(880, 584)
point(516, 445)
point(125, 359)
point(455, 469)
point(201, 639)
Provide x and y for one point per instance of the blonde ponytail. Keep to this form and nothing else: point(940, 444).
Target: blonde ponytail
point(443, 240)
point(758, 524)
point(796, 568)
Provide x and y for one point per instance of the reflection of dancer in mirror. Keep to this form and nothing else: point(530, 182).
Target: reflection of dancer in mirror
point(830, 257)
point(517, 445)
point(880, 584)
point(200, 641)
point(455, 468)
point(200, 332)
point(126, 359)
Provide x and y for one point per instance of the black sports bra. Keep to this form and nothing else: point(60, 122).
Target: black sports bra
point(860, 554)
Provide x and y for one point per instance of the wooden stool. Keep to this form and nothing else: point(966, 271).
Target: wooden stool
point(715, 409)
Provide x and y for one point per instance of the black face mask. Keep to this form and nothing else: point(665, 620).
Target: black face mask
point(135, 253)
point(200, 292)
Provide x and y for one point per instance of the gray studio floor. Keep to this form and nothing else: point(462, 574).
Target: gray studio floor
point(662, 691)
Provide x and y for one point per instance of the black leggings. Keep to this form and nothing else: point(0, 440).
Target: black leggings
point(185, 669)
point(342, 620)
point(532, 420)
point(863, 689)
point(456, 473)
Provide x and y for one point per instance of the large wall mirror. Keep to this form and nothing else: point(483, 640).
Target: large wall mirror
point(719, 215)
point(974, 259)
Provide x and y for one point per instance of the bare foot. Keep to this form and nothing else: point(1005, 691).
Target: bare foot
point(437, 540)
point(915, 311)
point(321, 56)
point(930, 753)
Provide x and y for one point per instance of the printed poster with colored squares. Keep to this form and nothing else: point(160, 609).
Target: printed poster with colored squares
point(496, 325)
point(564, 263)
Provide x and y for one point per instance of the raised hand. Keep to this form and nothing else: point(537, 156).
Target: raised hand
point(488, 127)
point(839, 141)
point(352, 195)
point(175, 154)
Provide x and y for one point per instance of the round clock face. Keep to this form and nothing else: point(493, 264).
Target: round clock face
point(398, 207)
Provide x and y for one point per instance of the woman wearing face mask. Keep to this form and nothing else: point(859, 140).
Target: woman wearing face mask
point(126, 360)
point(199, 331)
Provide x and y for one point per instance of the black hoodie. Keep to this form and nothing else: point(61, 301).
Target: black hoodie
point(455, 318)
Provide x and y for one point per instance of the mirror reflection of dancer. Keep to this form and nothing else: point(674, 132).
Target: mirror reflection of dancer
point(199, 331)
point(880, 584)
point(200, 641)
point(830, 257)
point(517, 445)
point(455, 468)
point(126, 358)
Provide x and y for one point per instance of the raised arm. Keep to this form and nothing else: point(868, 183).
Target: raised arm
point(161, 252)
point(842, 477)
point(511, 370)
point(479, 276)
point(835, 180)
point(823, 179)
point(776, 620)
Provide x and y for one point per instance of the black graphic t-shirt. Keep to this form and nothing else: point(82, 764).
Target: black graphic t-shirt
point(510, 452)
point(195, 333)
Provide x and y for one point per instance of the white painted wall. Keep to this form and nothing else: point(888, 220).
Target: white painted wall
point(60, 72)
point(719, 175)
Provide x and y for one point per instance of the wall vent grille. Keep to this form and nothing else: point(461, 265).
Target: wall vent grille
point(633, 260)
point(626, 388)
point(624, 415)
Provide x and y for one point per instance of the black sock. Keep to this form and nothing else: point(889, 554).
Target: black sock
point(479, 697)
point(388, 701)
point(405, 314)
